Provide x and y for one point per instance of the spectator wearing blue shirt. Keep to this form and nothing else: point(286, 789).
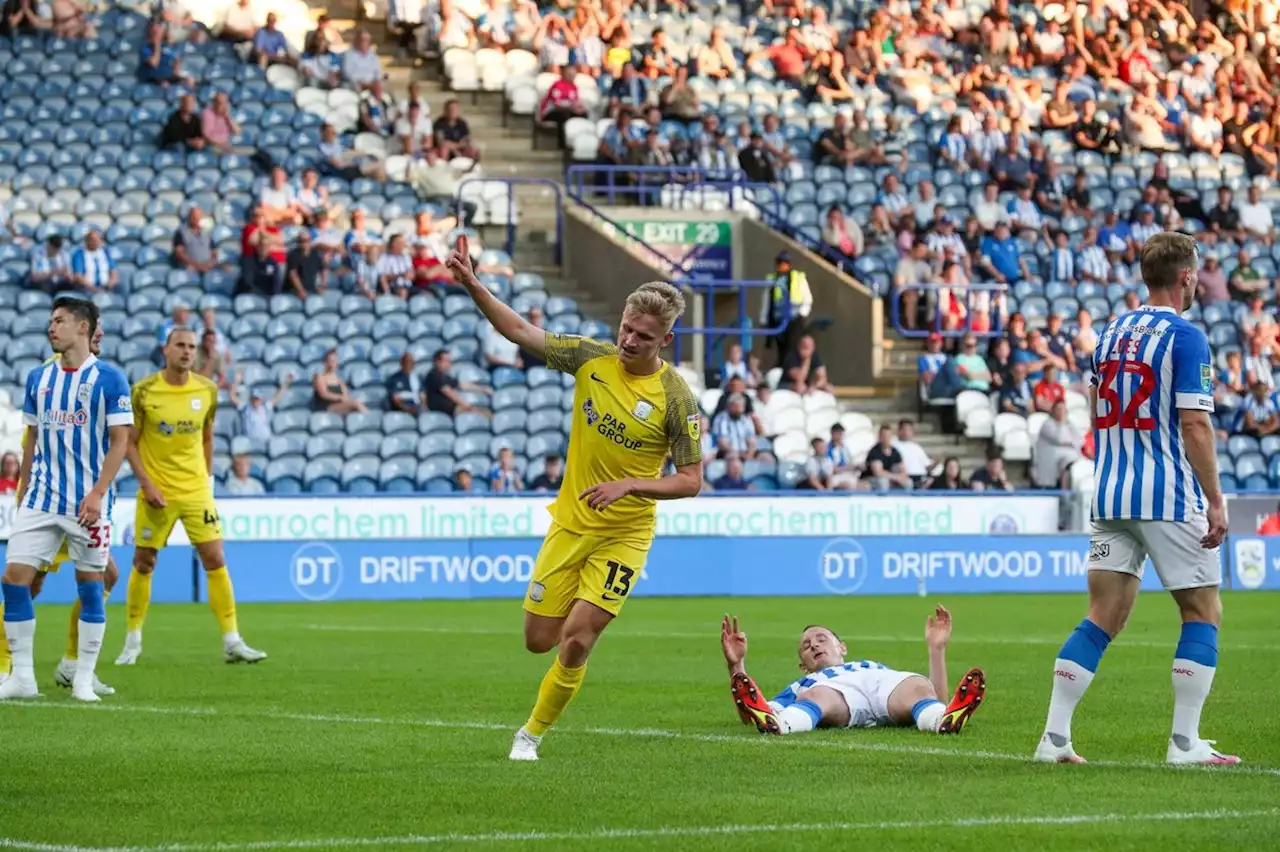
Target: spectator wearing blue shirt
point(159, 64)
point(620, 141)
point(930, 362)
point(1259, 417)
point(50, 265)
point(92, 268)
point(270, 46)
point(1017, 397)
point(733, 477)
point(504, 478)
point(1002, 258)
point(1117, 236)
point(629, 91)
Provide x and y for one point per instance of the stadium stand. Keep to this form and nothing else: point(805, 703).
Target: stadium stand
point(902, 125)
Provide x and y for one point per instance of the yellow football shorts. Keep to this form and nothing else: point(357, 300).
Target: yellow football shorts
point(199, 517)
point(602, 570)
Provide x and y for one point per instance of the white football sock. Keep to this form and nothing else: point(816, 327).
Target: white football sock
point(931, 717)
point(1191, 684)
point(21, 637)
point(230, 640)
point(89, 648)
point(798, 718)
point(1070, 681)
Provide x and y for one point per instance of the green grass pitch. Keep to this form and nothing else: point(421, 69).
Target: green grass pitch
point(386, 726)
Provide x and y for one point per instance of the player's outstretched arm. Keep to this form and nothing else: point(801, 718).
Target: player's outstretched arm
point(505, 321)
point(937, 633)
point(1197, 434)
point(734, 644)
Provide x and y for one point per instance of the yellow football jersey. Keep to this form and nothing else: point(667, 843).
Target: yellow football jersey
point(623, 427)
point(171, 420)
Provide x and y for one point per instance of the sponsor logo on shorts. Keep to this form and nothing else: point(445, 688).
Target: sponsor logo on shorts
point(536, 591)
point(1099, 550)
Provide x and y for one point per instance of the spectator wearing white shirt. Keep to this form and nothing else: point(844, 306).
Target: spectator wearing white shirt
point(413, 130)
point(735, 367)
point(311, 197)
point(1204, 131)
point(1092, 262)
point(915, 461)
point(1146, 227)
point(414, 97)
point(255, 416)
point(500, 352)
point(395, 268)
point(1258, 364)
point(1255, 216)
point(321, 67)
point(734, 431)
point(818, 468)
point(1058, 447)
point(1258, 416)
point(240, 481)
point(1024, 213)
point(361, 67)
point(845, 471)
point(50, 266)
point(92, 267)
point(278, 202)
point(989, 211)
point(340, 162)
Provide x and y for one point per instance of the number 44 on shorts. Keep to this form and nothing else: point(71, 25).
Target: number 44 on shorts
point(210, 518)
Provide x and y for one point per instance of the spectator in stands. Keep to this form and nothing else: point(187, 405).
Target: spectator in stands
point(735, 366)
point(50, 266)
point(438, 182)
point(179, 317)
point(452, 135)
point(92, 267)
point(270, 46)
point(10, 470)
point(159, 63)
point(428, 269)
point(1204, 130)
point(915, 461)
point(678, 101)
point(992, 476)
point(1024, 215)
point(1049, 390)
point(217, 127)
point(413, 131)
point(1146, 227)
point(255, 416)
point(305, 268)
point(499, 351)
point(404, 388)
point(376, 109)
point(278, 202)
point(238, 23)
point(802, 369)
point(1260, 417)
point(974, 371)
point(1002, 258)
point(1092, 264)
point(951, 478)
point(183, 127)
point(240, 482)
point(1017, 397)
point(319, 66)
point(788, 58)
point(787, 305)
point(734, 431)
point(554, 43)
point(263, 255)
point(360, 237)
point(562, 101)
point(1247, 280)
point(504, 478)
point(348, 165)
point(1255, 217)
point(732, 480)
point(1223, 219)
point(1091, 134)
point(1058, 447)
point(884, 465)
point(365, 268)
point(913, 269)
point(329, 391)
point(1231, 386)
point(193, 247)
point(628, 93)
point(1061, 261)
point(1259, 363)
point(443, 389)
point(361, 68)
point(1256, 321)
point(843, 234)
point(462, 480)
point(209, 361)
point(756, 162)
point(1211, 282)
point(312, 198)
point(715, 60)
point(395, 268)
point(328, 238)
point(551, 477)
point(931, 361)
point(818, 468)
point(845, 470)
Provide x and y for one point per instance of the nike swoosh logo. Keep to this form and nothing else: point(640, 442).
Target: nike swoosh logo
point(609, 599)
point(596, 378)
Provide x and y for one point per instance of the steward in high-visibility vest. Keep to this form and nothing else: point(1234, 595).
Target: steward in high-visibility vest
point(790, 291)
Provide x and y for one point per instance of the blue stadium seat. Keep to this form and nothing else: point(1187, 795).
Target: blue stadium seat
point(398, 421)
point(433, 422)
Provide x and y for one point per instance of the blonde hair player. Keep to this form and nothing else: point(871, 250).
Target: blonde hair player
point(172, 456)
point(66, 669)
point(631, 411)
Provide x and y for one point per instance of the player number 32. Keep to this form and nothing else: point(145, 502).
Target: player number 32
point(1128, 418)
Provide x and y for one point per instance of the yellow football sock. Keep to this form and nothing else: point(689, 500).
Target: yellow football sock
point(137, 600)
point(5, 660)
point(73, 631)
point(222, 600)
point(558, 688)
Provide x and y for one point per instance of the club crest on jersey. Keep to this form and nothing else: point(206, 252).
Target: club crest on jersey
point(642, 410)
point(589, 409)
point(536, 591)
point(195, 405)
point(85, 392)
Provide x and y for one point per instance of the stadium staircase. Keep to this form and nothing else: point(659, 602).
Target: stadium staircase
point(507, 144)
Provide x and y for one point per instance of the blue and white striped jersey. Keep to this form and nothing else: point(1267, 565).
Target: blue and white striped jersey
point(1148, 364)
point(71, 411)
point(791, 694)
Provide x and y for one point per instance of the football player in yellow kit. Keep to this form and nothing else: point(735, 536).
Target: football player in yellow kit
point(631, 411)
point(172, 456)
point(67, 665)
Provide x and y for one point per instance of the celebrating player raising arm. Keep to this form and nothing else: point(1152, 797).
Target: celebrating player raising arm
point(630, 411)
point(838, 694)
point(80, 411)
point(172, 455)
point(1156, 494)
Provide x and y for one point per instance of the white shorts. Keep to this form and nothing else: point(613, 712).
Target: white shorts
point(866, 692)
point(1174, 548)
point(37, 536)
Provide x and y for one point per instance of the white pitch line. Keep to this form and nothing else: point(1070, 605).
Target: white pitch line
point(842, 744)
point(677, 634)
point(653, 833)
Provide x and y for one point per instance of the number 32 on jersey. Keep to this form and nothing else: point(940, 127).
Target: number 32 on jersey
point(1141, 379)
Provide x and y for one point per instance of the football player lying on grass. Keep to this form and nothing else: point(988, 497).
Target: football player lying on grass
point(837, 694)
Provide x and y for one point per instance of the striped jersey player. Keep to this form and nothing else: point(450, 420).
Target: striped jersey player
point(834, 693)
point(80, 409)
point(1156, 495)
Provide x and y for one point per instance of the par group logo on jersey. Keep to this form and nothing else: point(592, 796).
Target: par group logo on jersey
point(642, 410)
point(1251, 562)
point(842, 566)
point(316, 571)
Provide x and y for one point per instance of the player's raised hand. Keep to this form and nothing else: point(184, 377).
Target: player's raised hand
point(153, 496)
point(459, 261)
point(937, 628)
point(1217, 516)
point(602, 496)
point(732, 641)
point(90, 509)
